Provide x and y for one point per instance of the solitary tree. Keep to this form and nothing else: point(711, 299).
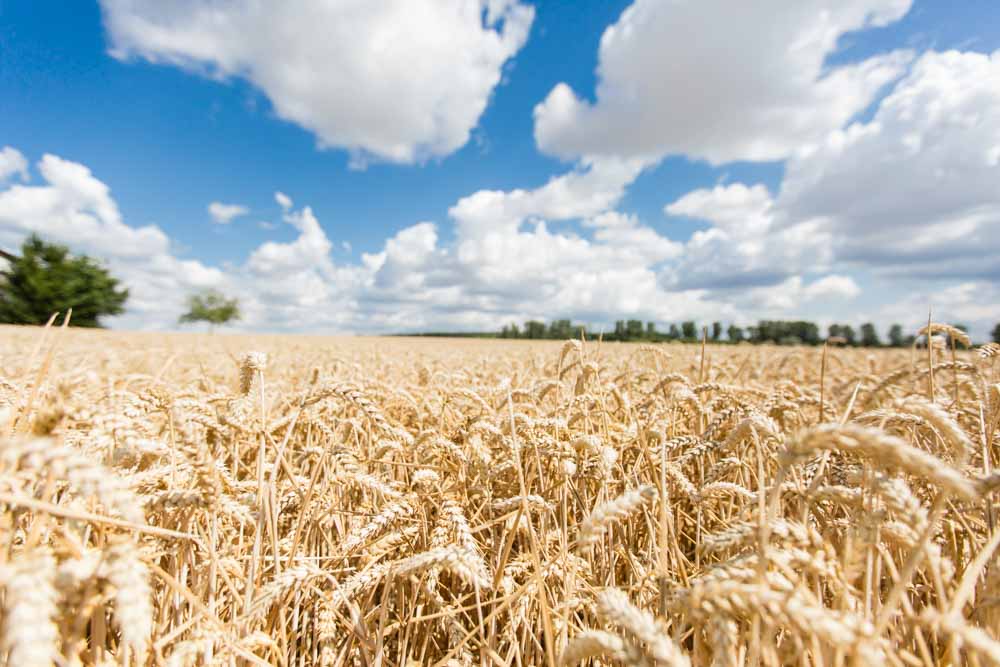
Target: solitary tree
point(716, 331)
point(995, 334)
point(735, 333)
point(212, 307)
point(46, 279)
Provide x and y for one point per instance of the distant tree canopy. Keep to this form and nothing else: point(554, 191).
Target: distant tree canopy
point(47, 279)
point(869, 336)
point(783, 332)
point(896, 338)
point(212, 307)
point(844, 331)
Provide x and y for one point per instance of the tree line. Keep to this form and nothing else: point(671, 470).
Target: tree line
point(782, 332)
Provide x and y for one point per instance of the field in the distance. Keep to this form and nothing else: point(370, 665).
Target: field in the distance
point(195, 499)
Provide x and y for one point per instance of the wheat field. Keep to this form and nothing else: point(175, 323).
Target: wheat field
point(198, 500)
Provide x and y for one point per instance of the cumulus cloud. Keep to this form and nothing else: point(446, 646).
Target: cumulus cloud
point(910, 195)
point(743, 247)
point(590, 188)
point(733, 208)
point(794, 293)
point(311, 248)
point(73, 207)
point(223, 214)
point(12, 163)
point(913, 192)
point(634, 242)
point(720, 80)
point(400, 81)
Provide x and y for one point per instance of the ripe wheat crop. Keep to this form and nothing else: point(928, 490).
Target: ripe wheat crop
point(202, 500)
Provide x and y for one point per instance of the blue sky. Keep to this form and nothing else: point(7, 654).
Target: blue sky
point(171, 111)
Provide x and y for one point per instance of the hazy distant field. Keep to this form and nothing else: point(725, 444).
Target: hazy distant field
point(194, 499)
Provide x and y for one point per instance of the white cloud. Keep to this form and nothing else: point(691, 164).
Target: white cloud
point(311, 248)
point(12, 162)
point(733, 208)
point(911, 194)
point(399, 80)
point(743, 247)
point(720, 80)
point(915, 190)
point(793, 294)
point(76, 209)
point(833, 287)
point(223, 214)
point(634, 242)
point(284, 201)
point(590, 188)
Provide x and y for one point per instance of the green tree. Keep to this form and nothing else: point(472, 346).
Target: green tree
point(510, 331)
point(735, 333)
point(633, 329)
point(674, 333)
point(561, 329)
point(896, 335)
point(848, 333)
point(869, 336)
point(810, 333)
point(995, 334)
point(716, 331)
point(47, 279)
point(690, 330)
point(844, 331)
point(212, 307)
point(651, 331)
point(534, 329)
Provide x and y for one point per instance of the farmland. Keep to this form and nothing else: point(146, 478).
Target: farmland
point(194, 499)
